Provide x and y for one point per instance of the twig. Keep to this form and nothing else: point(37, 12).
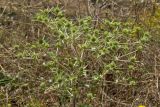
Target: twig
point(156, 76)
point(2, 68)
point(3, 11)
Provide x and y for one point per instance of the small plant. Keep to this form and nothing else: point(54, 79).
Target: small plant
point(80, 46)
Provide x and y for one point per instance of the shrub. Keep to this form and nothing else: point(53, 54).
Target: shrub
point(81, 57)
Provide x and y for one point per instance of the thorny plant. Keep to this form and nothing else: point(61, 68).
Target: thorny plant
point(81, 57)
point(79, 64)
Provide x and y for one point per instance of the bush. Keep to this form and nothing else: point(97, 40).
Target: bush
point(48, 59)
point(81, 57)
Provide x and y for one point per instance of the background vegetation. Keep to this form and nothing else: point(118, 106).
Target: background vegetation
point(79, 54)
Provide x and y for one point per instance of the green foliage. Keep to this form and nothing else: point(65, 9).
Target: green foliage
point(81, 53)
point(78, 56)
point(4, 80)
